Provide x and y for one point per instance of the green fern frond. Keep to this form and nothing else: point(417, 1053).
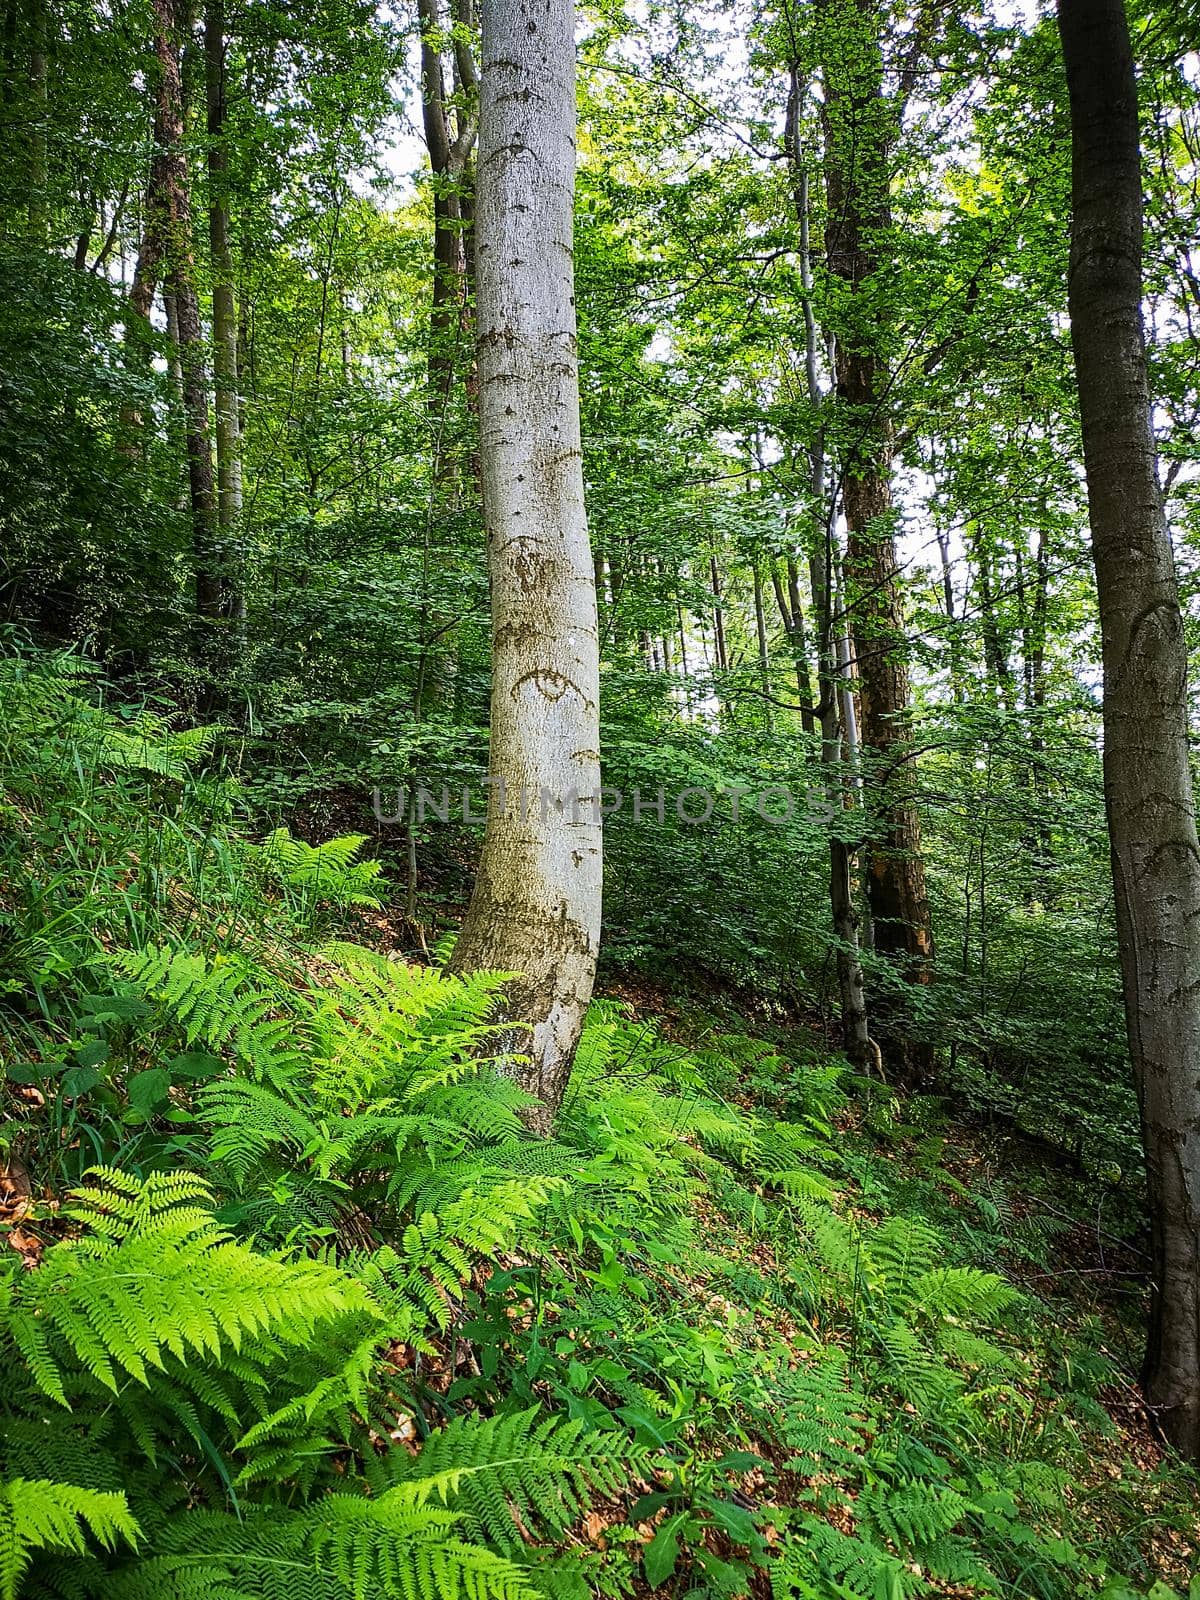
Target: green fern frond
point(326, 871)
point(162, 1279)
point(39, 1515)
point(520, 1470)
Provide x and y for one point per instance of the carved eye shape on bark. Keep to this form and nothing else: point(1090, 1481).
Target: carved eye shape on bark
point(550, 684)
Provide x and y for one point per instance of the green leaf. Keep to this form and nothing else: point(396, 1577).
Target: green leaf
point(196, 1064)
point(732, 1519)
point(148, 1089)
point(77, 1081)
point(661, 1554)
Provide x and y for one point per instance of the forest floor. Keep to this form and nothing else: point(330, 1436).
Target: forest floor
point(748, 1324)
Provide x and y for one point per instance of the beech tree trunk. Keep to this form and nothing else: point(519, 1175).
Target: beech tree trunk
point(1147, 776)
point(536, 905)
point(859, 125)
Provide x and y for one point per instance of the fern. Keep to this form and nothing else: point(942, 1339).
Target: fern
point(154, 1277)
point(344, 1547)
point(519, 1471)
point(823, 1417)
point(38, 1515)
point(326, 872)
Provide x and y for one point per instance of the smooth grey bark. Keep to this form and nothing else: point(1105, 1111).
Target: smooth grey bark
point(1147, 775)
point(535, 910)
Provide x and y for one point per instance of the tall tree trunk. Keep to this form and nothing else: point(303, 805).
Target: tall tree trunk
point(449, 139)
point(858, 123)
point(835, 706)
point(171, 197)
point(227, 406)
point(536, 906)
point(836, 723)
point(450, 125)
point(1147, 777)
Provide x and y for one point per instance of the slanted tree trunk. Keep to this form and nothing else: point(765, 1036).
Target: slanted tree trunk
point(791, 614)
point(227, 406)
point(859, 124)
point(169, 198)
point(1147, 777)
point(953, 641)
point(536, 905)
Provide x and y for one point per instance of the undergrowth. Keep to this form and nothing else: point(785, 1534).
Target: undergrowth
point(297, 1306)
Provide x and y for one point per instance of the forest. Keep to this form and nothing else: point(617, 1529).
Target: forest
point(599, 878)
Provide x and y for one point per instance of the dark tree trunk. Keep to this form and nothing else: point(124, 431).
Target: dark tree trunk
point(227, 405)
point(859, 124)
point(1147, 777)
point(721, 655)
point(995, 647)
point(169, 205)
point(450, 139)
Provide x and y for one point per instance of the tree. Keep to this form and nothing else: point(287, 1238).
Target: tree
point(227, 405)
point(860, 120)
point(169, 215)
point(450, 139)
point(835, 708)
point(535, 910)
point(1147, 776)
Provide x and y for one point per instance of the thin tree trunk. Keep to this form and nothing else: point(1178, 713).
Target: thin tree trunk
point(536, 905)
point(227, 406)
point(791, 614)
point(953, 641)
point(799, 638)
point(138, 331)
point(714, 574)
point(764, 653)
point(449, 146)
point(858, 122)
point(172, 200)
point(995, 650)
point(1147, 777)
point(1033, 667)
